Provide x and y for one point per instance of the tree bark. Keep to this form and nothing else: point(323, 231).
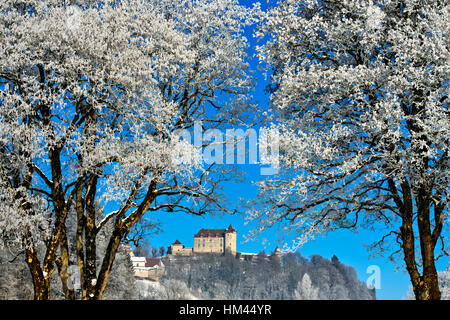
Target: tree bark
point(41, 285)
point(107, 264)
point(90, 238)
point(62, 264)
point(425, 286)
point(428, 287)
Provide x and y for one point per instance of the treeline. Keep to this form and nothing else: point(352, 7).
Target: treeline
point(149, 251)
point(225, 277)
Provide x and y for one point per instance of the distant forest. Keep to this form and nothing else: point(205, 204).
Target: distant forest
point(214, 277)
point(225, 277)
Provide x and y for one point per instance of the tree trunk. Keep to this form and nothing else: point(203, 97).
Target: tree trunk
point(41, 290)
point(107, 264)
point(63, 268)
point(425, 286)
point(41, 284)
point(428, 288)
point(81, 222)
point(90, 232)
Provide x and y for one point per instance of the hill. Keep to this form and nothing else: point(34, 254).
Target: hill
point(225, 277)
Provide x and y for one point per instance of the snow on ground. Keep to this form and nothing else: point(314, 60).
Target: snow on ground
point(170, 289)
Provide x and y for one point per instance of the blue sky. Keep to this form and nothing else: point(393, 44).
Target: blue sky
point(346, 245)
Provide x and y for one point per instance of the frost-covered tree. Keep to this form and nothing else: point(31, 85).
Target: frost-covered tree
point(122, 283)
point(305, 290)
point(93, 95)
point(360, 93)
point(15, 279)
point(175, 290)
point(444, 283)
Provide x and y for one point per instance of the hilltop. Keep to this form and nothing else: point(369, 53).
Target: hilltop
point(225, 277)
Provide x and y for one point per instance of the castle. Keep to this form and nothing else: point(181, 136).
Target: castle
point(218, 241)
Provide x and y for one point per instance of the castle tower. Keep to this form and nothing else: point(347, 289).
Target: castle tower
point(176, 248)
point(277, 255)
point(230, 240)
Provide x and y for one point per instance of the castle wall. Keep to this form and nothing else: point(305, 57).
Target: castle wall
point(230, 242)
point(176, 249)
point(154, 274)
point(209, 241)
point(186, 251)
point(209, 244)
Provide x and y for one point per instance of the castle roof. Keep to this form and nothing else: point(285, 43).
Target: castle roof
point(176, 242)
point(152, 262)
point(212, 233)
